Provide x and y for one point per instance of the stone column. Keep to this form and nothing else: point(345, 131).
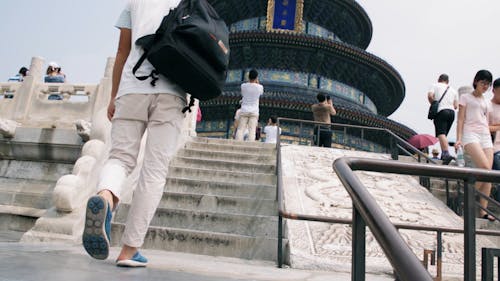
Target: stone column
point(36, 68)
point(100, 123)
point(26, 92)
point(108, 70)
point(465, 90)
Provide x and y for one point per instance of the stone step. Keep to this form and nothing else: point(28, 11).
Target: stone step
point(234, 142)
point(228, 156)
point(14, 222)
point(26, 193)
point(203, 242)
point(212, 187)
point(222, 176)
point(29, 170)
point(237, 148)
point(10, 236)
point(200, 220)
point(223, 165)
point(50, 145)
point(220, 204)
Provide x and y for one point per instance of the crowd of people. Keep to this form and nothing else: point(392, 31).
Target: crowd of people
point(478, 125)
point(53, 74)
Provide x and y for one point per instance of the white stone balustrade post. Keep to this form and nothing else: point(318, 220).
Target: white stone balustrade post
point(108, 70)
point(25, 93)
point(36, 68)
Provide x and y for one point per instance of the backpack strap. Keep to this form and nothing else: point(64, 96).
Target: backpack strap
point(188, 107)
point(444, 94)
point(154, 73)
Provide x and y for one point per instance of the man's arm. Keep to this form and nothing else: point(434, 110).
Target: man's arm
point(460, 125)
point(332, 109)
point(431, 97)
point(124, 46)
point(494, 127)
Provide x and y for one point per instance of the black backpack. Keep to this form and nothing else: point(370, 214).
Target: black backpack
point(191, 48)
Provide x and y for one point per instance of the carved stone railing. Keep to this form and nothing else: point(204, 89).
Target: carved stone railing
point(27, 103)
point(75, 109)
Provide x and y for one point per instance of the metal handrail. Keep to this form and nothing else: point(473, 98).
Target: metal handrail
point(380, 225)
point(395, 137)
point(365, 210)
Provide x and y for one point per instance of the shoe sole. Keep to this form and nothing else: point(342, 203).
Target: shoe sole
point(130, 263)
point(95, 241)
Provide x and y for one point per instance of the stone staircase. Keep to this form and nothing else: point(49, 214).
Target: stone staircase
point(219, 200)
point(26, 189)
point(31, 162)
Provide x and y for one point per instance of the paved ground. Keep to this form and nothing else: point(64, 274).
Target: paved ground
point(58, 262)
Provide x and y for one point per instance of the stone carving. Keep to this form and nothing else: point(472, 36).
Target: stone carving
point(83, 129)
point(71, 190)
point(8, 128)
point(312, 187)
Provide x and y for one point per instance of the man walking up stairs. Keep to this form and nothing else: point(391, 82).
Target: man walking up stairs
point(220, 201)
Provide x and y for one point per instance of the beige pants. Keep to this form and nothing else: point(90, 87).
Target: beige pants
point(160, 115)
point(247, 120)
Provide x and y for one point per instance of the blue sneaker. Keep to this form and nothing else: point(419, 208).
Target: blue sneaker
point(136, 261)
point(97, 228)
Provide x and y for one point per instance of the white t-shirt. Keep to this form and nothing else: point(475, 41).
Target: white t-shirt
point(251, 93)
point(271, 133)
point(477, 110)
point(143, 17)
point(494, 119)
point(448, 100)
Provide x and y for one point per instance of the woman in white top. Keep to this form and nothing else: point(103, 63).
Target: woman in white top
point(473, 131)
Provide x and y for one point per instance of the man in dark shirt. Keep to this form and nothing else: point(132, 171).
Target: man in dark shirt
point(322, 112)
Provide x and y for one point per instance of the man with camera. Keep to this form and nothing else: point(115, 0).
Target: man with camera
point(322, 112)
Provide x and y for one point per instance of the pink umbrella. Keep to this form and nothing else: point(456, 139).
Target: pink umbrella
point(422, 140)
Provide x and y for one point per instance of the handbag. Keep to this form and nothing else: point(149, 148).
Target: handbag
point(433, 109)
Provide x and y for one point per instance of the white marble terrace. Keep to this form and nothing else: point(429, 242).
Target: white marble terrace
point(83, 110)
point(312, 187)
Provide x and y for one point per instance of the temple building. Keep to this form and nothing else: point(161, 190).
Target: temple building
point(301, 48)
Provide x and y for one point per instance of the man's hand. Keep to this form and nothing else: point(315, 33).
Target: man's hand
point(111, 109)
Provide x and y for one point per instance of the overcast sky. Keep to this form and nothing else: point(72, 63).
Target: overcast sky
point(421, 39)
point(425, 38)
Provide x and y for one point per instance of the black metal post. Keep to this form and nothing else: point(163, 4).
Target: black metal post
point(300, 134)
point(487, 263)
point(317, 136)
point(469, 232)
point(487, 257)
point(486, 266)
point(460, 199)
point(447, 188)
point(345, 137)
point(439, 254)
point(394, 149)
point(280, 241)
point(358, 266)
point(278, 196)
